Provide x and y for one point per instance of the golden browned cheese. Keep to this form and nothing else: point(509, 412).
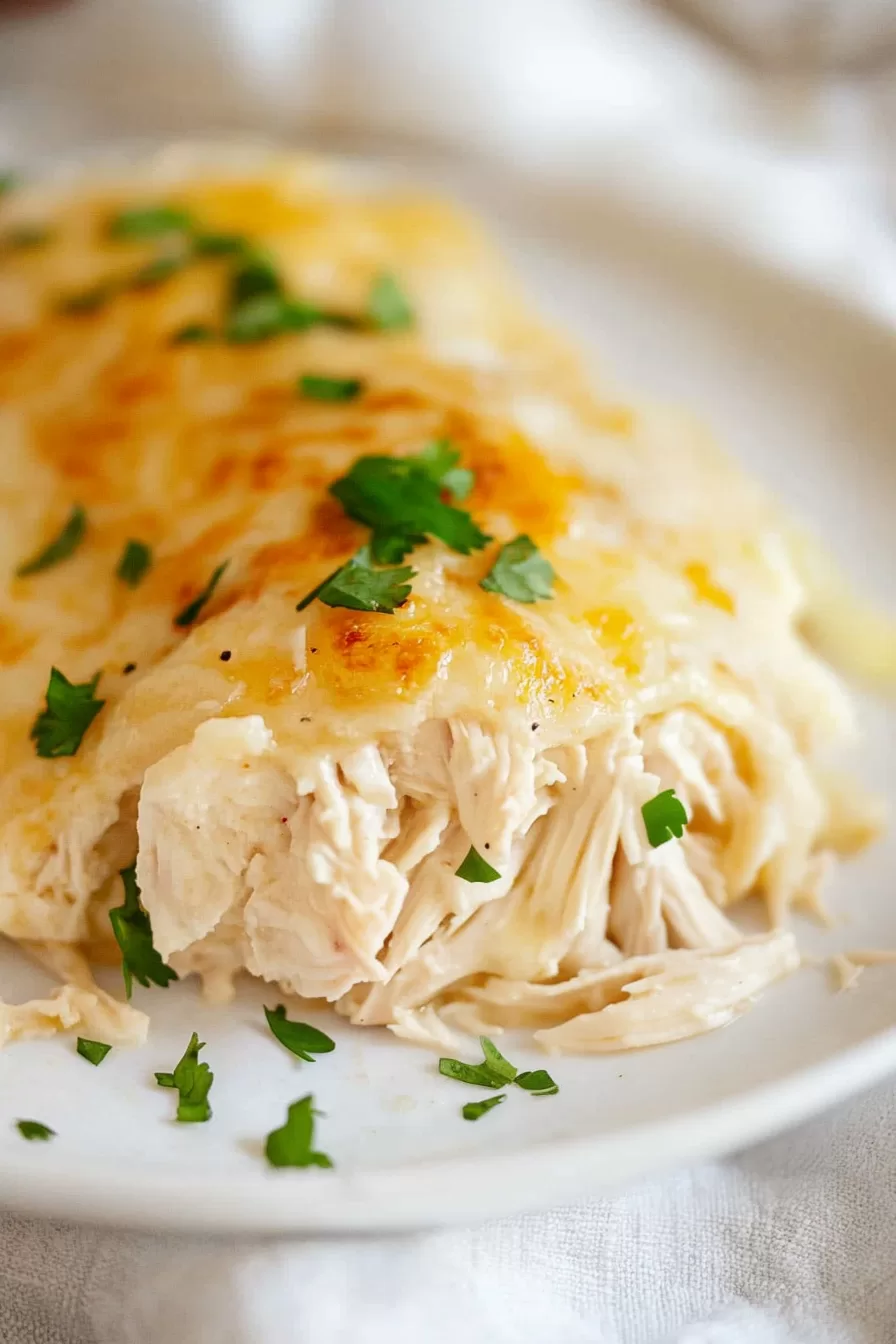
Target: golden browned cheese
point(666, 562)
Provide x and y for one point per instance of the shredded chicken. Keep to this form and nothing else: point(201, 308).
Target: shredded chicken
point(300, 783)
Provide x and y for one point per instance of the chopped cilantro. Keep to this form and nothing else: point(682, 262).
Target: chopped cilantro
point(27, 235)
point(136, 559)
point(149, 221)
point(8, 180)
point(191, 333)
point(88, 300)
point(664, 817)
point(520, 572)
point(93, 1051)
point(537, 1081)
point(70, 709)
point(33, 1129)
point(440, 459)
point(474, 1109)
point(387, 306)
point(316, 387)
point(61, 547)
point(402, 497)
point(254, 275)
point(291, 1146)
point(189, 613)
point(157, 271)
point(219, 244)
point(359, 587)
point(256, 319)
point(476, 869)
point(494, 1071)
point(303, 1040)
point(133, 932)
point(193, 1081)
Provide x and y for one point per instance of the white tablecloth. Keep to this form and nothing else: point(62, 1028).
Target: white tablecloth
point(794, 1241)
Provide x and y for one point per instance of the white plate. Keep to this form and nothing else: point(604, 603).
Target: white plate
point(802, 389)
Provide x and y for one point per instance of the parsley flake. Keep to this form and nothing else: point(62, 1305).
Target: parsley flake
point(191, 333)
point(33, 1129)
point(24, 236)
point(387, 306)
point(149, 221)
point(93, 1051)
point(70, 709)
point(89, 300)
point(133, 932)
point(537, 1081)
point(664, 817)
point(300, 1038)
point(60, 548)
point(474, 1109)
point(157, 271)
point(357, 586)
point(190, 612)
point(316, 387)
point(401, 498)
point(476, 869)
point(254, 275)
point(494, 1071)
point(136, 559)
point(193, 1080)
point(220, 244)
point(520, 572)
point(291, 1146)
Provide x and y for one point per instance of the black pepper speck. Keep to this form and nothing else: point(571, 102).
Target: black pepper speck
point(226, 656)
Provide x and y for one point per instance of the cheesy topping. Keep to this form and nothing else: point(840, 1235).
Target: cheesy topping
point(300, 787)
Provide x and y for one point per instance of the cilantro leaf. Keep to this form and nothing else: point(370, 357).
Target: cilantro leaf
point(539, 1082)
point(191, 333)
point(316, 387)
point(149, 221)
point(402, 496)
point(93, 1051)
point(193, 1080)
point(190, 612)
point(220, 244)
point(83, 301)
point(290, 1146)
point(71, 708)
point(474, 1109)
point(303, 1040)
point(60, 548)
point(440, 459)
point(136, 559)
point(390, 548)
point(253, 276)
point(476, 869)
point(133, 932)
point(664, 817)
point(357, 586)
point(33, 1129)
point(156, 271)
point(256, 319)
point(387, 306)
point(25, 236)
point(494, 1071)
point(520, 572)
point(8, 180)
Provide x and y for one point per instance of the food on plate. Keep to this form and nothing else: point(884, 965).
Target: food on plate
point(353, 637)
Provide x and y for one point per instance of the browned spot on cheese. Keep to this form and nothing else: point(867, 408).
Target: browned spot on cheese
point(15, 642)
point(514, 479)
point(621, 637)
point(368, 655)
point(706, 589)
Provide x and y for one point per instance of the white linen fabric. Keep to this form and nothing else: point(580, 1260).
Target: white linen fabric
point(795, 1241)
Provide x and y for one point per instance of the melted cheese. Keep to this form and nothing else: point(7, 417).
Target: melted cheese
point(674, 594)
